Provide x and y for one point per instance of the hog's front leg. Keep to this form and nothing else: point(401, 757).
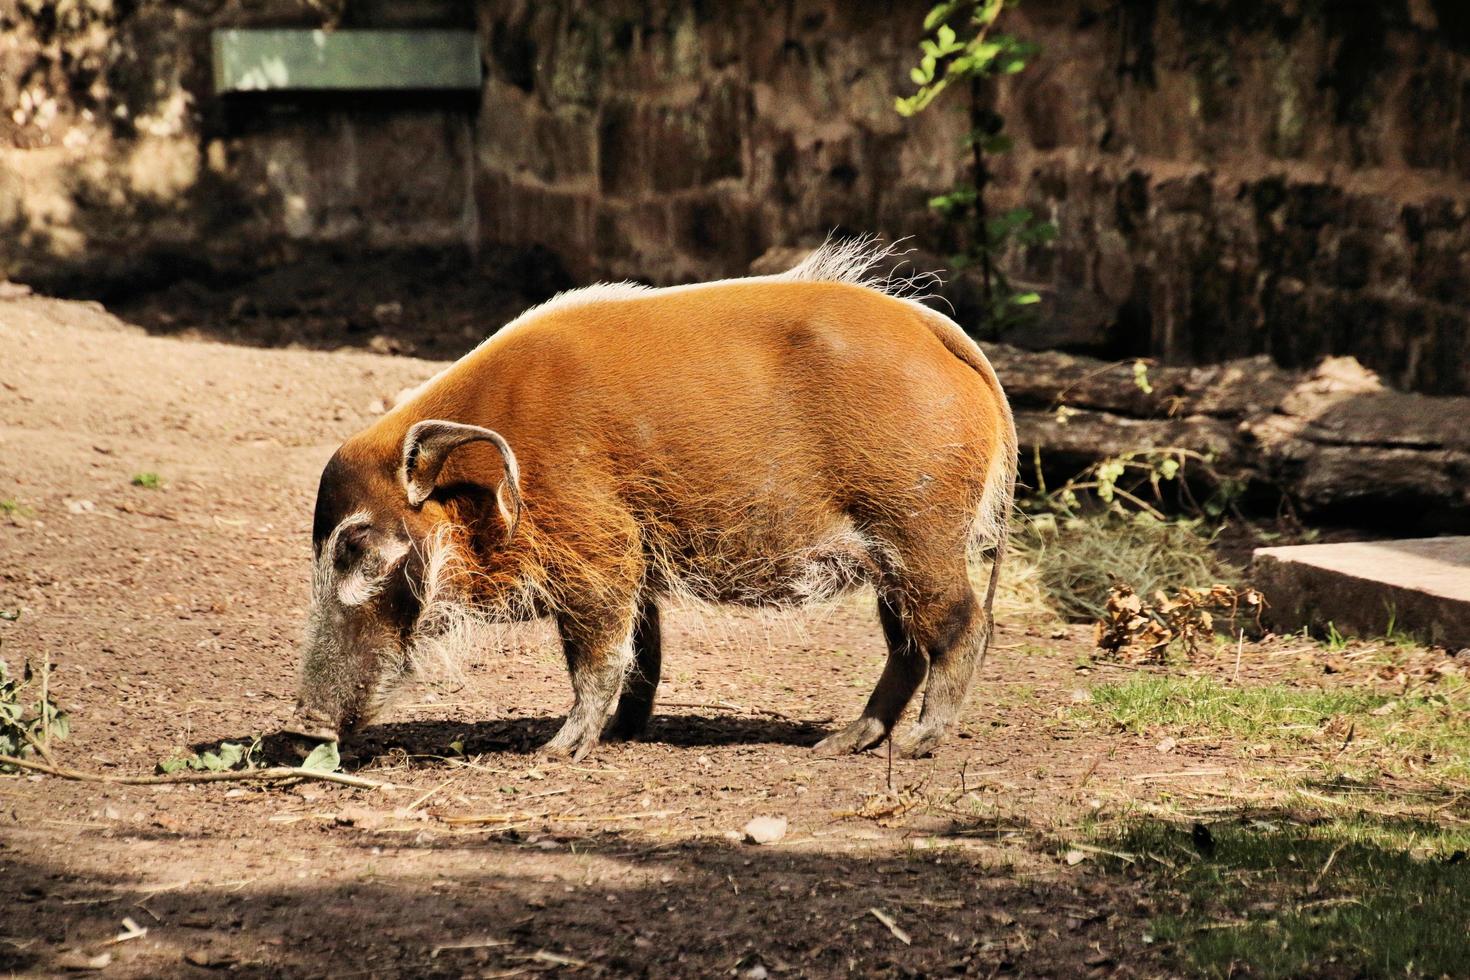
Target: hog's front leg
point(598, 651)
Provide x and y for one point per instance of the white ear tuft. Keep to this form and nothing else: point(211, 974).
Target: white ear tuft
point(426, 448)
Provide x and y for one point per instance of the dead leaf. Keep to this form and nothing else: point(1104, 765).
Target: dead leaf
point(77, 960)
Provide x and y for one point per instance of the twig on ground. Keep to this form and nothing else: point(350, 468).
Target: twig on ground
point(272, 774)
point(1317, 881)
point(479, 944)
point(889, 740)
point(424, 798)
point(887, 920)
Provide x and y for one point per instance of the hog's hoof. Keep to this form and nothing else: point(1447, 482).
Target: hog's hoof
point(569, 744)
point(559, 753)
point(628, 723)
point(921, 742)
point(861, 734)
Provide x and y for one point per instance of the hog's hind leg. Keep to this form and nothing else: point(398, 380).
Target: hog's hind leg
point(640, 683)
point(952, 628)
point(902, 675)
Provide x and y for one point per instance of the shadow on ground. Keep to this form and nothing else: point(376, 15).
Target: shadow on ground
point(625, 905)
point(526, 735)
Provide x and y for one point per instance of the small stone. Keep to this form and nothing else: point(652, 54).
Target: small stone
point(765, 830)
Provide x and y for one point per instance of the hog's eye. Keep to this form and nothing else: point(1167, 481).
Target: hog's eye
point(349, 549)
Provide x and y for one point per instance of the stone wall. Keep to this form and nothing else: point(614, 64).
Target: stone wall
point(119, 168)
point(1229, 177)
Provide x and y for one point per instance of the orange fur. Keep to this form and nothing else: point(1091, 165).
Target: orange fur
point(734, 421)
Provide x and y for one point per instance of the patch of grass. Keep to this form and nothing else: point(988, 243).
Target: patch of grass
point(1353, 897)
point(148, 481)
point(10, 506)
point(1076, 560)
point(1426, 731)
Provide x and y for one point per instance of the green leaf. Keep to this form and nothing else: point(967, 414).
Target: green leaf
point(1025, 299)
point(230, 753)
point(938, 14)
point(168, 767)
point(1140, 377)
point(10, 616)
point(323, 758)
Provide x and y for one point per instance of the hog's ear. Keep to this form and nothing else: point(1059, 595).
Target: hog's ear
point(428, 445)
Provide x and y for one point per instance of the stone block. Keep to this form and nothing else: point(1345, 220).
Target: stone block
point(1421, 586)
point(658, 147)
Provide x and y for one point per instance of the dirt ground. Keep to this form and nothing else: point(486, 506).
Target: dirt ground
point(172, 615)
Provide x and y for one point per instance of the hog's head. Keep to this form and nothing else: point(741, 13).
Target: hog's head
point(371, 532)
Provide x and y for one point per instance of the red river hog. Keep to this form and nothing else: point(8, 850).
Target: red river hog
point(766, 441)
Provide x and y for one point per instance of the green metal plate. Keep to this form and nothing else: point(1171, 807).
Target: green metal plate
point(247, 60)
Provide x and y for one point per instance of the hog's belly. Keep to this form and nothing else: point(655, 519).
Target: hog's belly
point(764, 569)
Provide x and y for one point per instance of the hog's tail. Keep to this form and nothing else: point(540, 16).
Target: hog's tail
point(991, 529)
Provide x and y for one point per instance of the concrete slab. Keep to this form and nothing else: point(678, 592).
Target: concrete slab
point(1421, 585)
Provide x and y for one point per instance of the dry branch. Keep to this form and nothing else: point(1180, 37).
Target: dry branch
point(271, 774)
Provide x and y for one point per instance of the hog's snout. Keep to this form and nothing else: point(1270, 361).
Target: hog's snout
point(310, 723)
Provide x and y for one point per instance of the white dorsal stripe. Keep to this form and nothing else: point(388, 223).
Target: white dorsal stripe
point(850, 260)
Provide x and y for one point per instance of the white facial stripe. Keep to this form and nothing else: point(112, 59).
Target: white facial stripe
point(356, 588)
point(359, 584)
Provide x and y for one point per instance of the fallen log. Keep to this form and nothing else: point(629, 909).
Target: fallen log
point(1335, 441)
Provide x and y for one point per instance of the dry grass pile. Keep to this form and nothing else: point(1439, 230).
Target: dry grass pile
point(1069, 565)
